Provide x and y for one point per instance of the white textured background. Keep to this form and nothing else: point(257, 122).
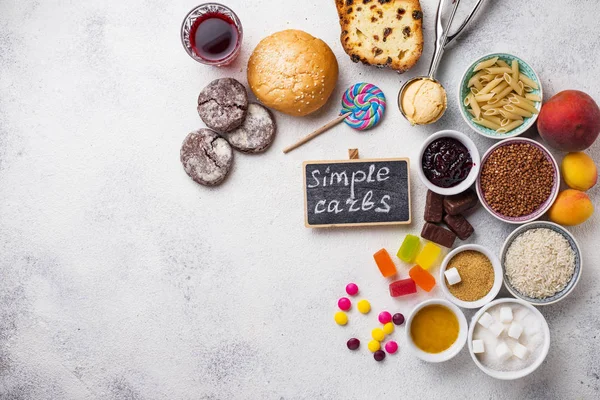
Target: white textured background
point(120, 278)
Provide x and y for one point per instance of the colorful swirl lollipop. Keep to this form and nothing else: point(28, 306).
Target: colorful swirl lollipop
point(363, 105)
point(366, 103)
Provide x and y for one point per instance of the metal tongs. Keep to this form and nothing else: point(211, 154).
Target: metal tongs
point(442, 40)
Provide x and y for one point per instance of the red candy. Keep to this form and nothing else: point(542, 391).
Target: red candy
point(344, 303)
point(403, 287)
point(385, 317)
point(352, 289)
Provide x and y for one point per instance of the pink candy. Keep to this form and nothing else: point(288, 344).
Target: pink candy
point(344, 303)
point(385, 317)
point(391, 347)
point(351, 289)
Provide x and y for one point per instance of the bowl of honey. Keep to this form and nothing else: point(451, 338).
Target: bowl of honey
point(436, 330)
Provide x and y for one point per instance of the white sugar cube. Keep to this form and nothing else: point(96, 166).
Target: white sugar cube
point(515, 330)
point(478, 346)
point(503, 352)
point(452, 276)
point(496, 328)
point(486, 320)
point(520, 351)
point(506, 314)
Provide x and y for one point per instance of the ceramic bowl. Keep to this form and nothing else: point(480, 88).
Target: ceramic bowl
point(463, 91)
point(464, 185)
point(449, 352)
point(509, 375)
point(576, 274)
point(497, 277)
point(544, 207)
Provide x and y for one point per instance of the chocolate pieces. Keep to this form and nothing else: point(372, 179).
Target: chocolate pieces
point(459, 225)
point(434, 207)
point(438, 235)
point(459, 203)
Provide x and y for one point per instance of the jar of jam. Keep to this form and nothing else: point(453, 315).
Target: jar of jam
point(446, 162)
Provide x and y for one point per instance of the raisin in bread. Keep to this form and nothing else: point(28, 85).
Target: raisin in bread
point(385, 33)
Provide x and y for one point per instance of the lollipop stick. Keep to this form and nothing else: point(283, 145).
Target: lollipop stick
point(316, 133)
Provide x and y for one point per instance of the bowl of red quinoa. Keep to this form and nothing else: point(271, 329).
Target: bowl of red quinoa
point(518, 180)
point(541, 263)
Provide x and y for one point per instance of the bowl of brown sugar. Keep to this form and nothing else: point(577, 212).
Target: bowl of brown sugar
point(518, 181)
point(471, 276)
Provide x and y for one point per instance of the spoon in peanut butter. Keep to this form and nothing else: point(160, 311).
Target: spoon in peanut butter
point(422, 100)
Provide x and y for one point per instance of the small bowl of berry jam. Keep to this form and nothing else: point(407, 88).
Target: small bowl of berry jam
point(448, 162)
point(212, 34)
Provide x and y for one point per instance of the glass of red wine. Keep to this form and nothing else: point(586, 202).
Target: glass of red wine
point(211, 34)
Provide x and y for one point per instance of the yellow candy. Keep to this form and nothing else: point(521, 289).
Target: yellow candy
point(373, 346)
point(341, 318)
point(388, 328)
point(364, 306)
point(378, 334)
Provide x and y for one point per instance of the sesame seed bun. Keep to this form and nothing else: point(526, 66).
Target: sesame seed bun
point(292, 72)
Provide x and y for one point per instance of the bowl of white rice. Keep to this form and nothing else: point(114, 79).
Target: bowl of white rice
point(541, 263)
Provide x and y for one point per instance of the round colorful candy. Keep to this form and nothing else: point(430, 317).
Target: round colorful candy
point(388, 328)
point(364, 306)
point(374, 345)
point(344, 303)
point(366, 103)
point(353, 343)
point(379, 355)
point(352, 289)
point(341, 318)
point(385, 317)
point(391, 347)
point(398, 319)
point(378, 334)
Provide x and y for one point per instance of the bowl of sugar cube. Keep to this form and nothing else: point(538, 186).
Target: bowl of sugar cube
point(508, 338)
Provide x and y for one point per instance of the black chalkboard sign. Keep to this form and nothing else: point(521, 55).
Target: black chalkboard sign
point(356, 192)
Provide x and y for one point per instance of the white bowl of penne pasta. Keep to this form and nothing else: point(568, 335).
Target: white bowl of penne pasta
point(500, 96)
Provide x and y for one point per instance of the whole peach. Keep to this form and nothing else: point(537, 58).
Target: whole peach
point(569, 121)
point(571, 207)
point(579, 171)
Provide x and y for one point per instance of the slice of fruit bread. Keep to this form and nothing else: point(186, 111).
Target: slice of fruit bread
point(384, 33)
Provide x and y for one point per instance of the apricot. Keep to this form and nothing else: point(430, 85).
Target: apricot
point(569, 121)
point(572, 207)
point(579, 171)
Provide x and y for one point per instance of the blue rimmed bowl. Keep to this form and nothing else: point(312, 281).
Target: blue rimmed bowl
point(463, 91)
point(576, 273)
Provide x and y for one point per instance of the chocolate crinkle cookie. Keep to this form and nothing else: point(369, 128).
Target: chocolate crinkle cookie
point(222, 104)
point(256, 132)
point(206, 157)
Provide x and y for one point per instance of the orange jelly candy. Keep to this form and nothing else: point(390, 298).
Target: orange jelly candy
point(424, 279)
point(385, 263)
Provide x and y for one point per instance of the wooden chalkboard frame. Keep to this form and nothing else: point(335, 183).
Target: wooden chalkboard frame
point(358, 160)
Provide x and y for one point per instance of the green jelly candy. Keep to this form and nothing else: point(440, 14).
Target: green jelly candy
point(409, 248)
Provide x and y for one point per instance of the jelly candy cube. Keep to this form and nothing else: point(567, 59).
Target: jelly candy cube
point(385, 263)
point(429, 255)
point(424, 279)
point(402, 287)
point(409, 248)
